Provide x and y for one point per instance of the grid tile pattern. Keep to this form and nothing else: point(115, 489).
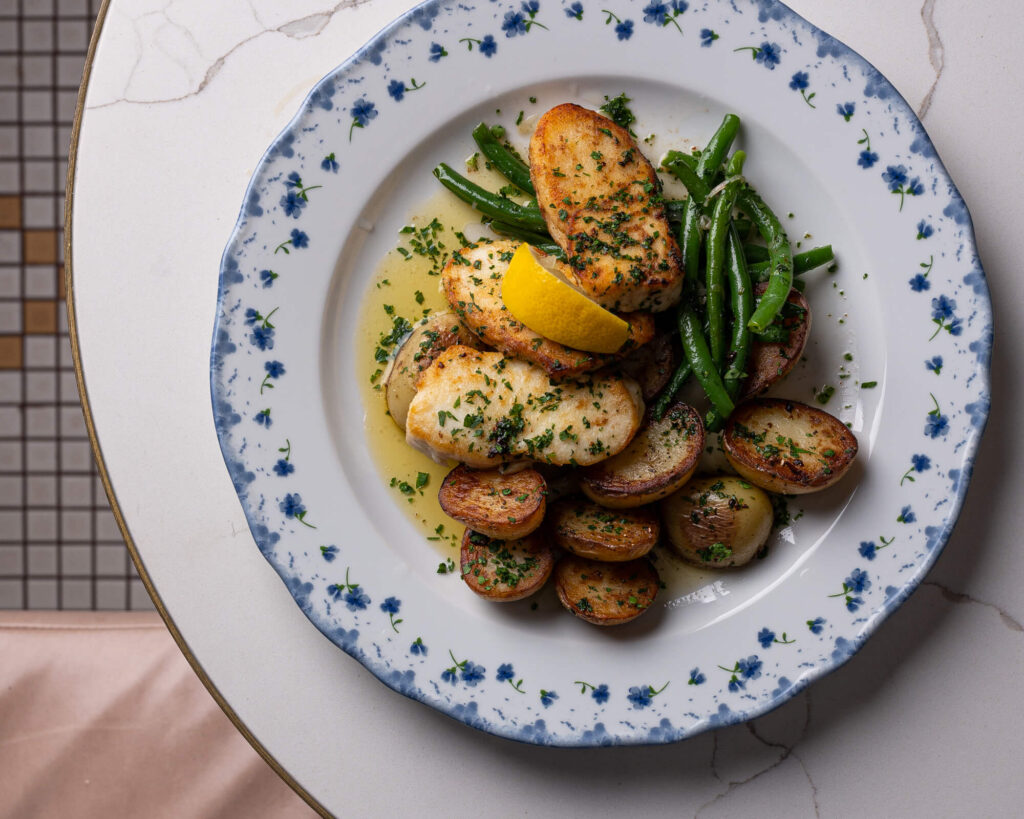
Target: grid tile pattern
point(60, 547)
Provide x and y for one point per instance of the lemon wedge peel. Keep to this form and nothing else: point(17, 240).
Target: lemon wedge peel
point(557, 311)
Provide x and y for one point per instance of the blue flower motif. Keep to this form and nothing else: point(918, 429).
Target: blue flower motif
point(505, 672)
point(363, 111)
point(766, 637)
point(356, 599)
point(934, 364)
point(955, 327)
point(513, 24)
point(472, 673)
point(942, 308)
point(283, 467)
point(335, 590)
point(437, 51)
point(920, 283)
point(906, 515)
point(816, 625)
point(391, 605)
point(858, 581)
point(750, 668)
point(488, 46)
point(547, 697)
point(252, 315)
point(707, 37)
point(921, 462)
point(768, 55)
point(678, 6)
point(800, 81)
point(293, 180)
point(624, 29)
point(867, 159)
point(267, 277)
point(293, 204)
point(736, 684)
point(299, 238)
point(936, 425)
point(575, 10)
point(263, 418)
point(292, 505)
point(640, 696)
point(867, 549)
point(448, 675)
point(895, 177)
point(915, 188)
point(330, 164)
point(655, 12)
point(417, 647)
point(396, 88)
point(263, 337)
point(845, 110)
point(853, 603)
point(329, 553)
point(696, 677)
point(530, 7)
point(600, 694)
point(275, 369)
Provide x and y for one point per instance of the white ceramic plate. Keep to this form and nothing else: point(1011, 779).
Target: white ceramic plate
point(828, 139)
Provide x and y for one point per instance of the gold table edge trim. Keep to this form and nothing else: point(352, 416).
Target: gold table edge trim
point(98, 453)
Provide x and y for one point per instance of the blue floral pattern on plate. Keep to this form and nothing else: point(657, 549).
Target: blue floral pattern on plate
point(311, 193)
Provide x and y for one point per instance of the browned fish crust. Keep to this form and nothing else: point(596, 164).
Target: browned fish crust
point(602, 203)
point(472, 285)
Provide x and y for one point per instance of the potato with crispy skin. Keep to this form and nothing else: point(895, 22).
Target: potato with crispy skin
point(660, 459)
point(608, 535)
point(435, 333)
point(787, 447)
point(717, 521)
point(504, 506)
point(483, 409)
point(472, 285)
point(505, 570)
point(602, 203)
point(771, 361)
point(606, 594)
point(652, 365)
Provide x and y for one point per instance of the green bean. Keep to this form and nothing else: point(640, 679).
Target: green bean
point(539, 240)
point(802, 262)
point(675, 210)
point(714, 276)
point(679, 377)
point(684, 168)
point(780, 279)
point(491, 204)
point(507, 163)
point(774, 334)
point(699, 356)
point(708, 164)
point(755, 253)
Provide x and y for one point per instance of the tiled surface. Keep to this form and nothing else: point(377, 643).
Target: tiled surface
point(60, 547)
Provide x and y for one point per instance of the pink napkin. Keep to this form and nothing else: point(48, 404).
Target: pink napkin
point(102, 716)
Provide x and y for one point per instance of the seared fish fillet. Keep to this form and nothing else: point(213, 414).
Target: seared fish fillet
point(472, 284)
point(484, 409)
point(602, 203)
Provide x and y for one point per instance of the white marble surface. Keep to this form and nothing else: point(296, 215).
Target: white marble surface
point(926, 720)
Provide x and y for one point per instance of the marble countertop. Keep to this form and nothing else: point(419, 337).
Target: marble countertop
point(183, 98)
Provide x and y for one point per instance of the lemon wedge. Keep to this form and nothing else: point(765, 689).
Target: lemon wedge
point(547, 305)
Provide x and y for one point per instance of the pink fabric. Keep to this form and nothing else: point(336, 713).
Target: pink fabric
point(101, 716)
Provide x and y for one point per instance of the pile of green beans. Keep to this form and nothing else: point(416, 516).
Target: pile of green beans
point(719, 215)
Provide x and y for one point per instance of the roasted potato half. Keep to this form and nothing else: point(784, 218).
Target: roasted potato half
point(717, 521)
point(770, 362)
point(787, 447)
point(606, 594)
point(659, 460)
point(610, 535)
point(505, 570)
point(652, 365)
point(502, 506)
point(425, 343)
